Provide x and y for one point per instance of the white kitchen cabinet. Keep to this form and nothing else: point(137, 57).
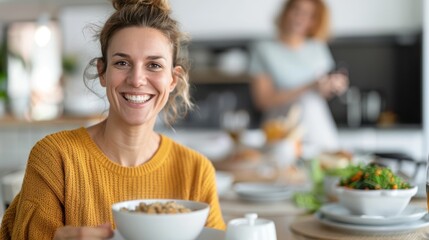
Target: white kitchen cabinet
point(408, 141)
point(18, 137)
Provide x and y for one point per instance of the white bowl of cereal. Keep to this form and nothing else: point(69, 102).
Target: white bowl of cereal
point(160, 219)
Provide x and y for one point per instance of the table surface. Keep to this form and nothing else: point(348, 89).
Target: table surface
point(282, 213)
point(294, 223)
point(310, 228)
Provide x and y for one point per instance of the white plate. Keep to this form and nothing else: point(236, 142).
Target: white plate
point(263, 192)
point(206, 234)
point(385, 229)
point(339, 213)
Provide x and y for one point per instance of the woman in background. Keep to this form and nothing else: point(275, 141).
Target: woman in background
point(295, 68)
point(73, 177)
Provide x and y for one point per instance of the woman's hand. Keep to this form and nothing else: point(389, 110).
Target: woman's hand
point(323, 86)
point(339, 83)
point(103, 231)
point(332, 85)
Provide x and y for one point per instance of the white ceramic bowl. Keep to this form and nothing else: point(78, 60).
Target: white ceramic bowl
point(375, 202)
point(181, 226)
point(282, 152)
point(330, 183)
point(224, 181)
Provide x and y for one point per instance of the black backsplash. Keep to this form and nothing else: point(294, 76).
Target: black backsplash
point(212, 100)
point(389, 65)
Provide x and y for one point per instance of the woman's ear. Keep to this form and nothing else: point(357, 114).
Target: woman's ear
point(177, 72)
point(101, 72)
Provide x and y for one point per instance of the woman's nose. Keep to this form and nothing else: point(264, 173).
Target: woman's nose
point(137, 77)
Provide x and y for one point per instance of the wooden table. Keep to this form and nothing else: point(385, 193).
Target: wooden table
point(293, 223)
point(309, 228)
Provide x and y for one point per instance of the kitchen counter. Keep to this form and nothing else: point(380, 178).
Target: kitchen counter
point(19, 136)
point(408, 140)
point(9, 121)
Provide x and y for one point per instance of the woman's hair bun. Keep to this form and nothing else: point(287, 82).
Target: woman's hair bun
point(161, 4)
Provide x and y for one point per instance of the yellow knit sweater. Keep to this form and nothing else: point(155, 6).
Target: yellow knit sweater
point(69, 181)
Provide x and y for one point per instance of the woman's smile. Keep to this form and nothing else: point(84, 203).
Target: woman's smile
point(137, 98)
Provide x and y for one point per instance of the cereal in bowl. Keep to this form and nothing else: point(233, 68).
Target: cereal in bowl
point(169, 207)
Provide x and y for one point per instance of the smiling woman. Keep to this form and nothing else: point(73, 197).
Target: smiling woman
point(139, 75)
point(86, 170)
point(178, 103)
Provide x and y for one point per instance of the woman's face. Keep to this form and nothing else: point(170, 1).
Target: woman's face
point(139, 74)
point(300, 18)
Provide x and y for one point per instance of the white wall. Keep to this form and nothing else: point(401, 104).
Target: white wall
point(226, 18)
point(242, 18)
point(253, 18)
point(351, 17)
point(78, 24)
point(220, 19)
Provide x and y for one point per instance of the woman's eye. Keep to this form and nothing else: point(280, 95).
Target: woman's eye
point(154, 66)
point(121, 63)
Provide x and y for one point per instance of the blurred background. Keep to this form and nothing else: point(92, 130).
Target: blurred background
point(46, 45)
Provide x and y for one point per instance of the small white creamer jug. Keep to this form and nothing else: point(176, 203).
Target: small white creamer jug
point(251, 228)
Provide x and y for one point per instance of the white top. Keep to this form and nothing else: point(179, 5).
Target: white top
point(290, 68)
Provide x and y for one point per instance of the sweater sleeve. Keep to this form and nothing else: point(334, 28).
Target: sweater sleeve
point(210, 196)
point(36, 212)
